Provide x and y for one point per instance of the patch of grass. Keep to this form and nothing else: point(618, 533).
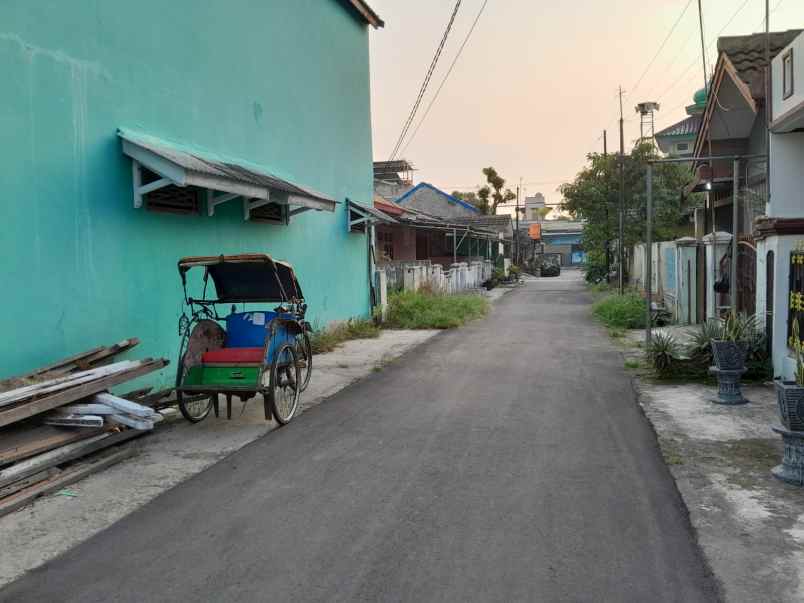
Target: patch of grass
point(632, 364)
point(671, 451)
point(422, 310)
point(621, 311)
point(326, 340)
point(603, 287)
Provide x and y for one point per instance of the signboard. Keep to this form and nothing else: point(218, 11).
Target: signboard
point(535, 232)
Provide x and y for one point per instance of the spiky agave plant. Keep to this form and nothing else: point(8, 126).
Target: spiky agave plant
point(663, 354)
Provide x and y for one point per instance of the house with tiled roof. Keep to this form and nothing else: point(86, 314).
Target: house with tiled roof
point(734, 128)
point(416, 235)
point(780, 232)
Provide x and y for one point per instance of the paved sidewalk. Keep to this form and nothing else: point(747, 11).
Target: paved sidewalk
point(749, 524)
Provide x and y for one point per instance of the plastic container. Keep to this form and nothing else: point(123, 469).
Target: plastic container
point(247, 329)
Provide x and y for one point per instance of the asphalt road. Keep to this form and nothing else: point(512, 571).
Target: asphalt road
point(505, 461)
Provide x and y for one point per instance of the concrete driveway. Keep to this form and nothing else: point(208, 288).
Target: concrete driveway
point(505, 461)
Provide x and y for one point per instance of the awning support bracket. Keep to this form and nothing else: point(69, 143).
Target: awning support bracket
point(141, 189)
point(214, 200)
point(249, 204)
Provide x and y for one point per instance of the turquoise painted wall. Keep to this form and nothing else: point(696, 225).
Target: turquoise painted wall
point(281, 84)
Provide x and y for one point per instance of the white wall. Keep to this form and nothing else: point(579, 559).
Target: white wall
point(781, 105)
point(787, 173)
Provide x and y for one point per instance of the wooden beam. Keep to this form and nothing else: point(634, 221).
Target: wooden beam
point(136, 182)
point(152, 186)
point(30, 409)
point(65, 478)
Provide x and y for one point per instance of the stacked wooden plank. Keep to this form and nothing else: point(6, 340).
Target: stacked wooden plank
point(60, 423)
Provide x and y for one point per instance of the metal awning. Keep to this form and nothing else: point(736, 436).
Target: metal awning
point(224, 179)
point(360, 215)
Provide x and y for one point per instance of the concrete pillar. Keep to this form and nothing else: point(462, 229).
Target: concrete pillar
point(381, 284)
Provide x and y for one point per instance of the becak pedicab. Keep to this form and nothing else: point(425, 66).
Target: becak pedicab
point(250, 351)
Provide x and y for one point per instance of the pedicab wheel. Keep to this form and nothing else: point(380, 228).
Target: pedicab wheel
point(193, 408)
point(284, 383)
point(304, 357)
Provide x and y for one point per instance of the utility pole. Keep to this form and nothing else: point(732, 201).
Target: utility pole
point(608, 241)
point(516, 230)
point(621, 246)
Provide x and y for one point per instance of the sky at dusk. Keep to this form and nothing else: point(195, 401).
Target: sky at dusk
point(537, 82)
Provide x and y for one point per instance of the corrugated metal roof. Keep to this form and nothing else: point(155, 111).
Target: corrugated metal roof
point(207, 164)
point(686, 127)
point(484, 220)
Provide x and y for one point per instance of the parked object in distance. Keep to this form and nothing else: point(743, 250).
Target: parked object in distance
point(551, 266)
point(253, 351)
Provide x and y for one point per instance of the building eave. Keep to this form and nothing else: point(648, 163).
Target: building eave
point(368, 14)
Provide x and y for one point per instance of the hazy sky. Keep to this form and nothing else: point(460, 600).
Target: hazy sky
point(537, 82)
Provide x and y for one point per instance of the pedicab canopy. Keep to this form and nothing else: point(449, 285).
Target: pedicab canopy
point(253, 277)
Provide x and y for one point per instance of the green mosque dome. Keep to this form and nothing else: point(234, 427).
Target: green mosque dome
point(699, 98)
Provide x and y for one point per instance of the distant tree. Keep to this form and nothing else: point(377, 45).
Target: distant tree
point(594, 196)
point(498, 194)
point(488, 197)
point(544, 211)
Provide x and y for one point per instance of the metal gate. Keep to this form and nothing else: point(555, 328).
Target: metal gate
point(746, 275)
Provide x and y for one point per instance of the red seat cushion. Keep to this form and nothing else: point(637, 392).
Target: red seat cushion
point(233, 356)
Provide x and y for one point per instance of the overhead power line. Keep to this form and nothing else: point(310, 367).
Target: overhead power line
point(661, 46)
point(426, 81)
point(712, 43)
point(446, 76)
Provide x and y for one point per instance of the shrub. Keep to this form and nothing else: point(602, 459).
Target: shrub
point(742, 328)
point(419, 310)
point(663, 353)
point(621, 311)
point(326, 340)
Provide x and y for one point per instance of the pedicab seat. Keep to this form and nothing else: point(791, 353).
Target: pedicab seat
point(233, 356)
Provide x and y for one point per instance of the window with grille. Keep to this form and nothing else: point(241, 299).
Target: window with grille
point(795, 305)
point(171, 199)
point(270, 213)
point(385, 240)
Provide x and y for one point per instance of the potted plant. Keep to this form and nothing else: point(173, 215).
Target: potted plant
point(790, 394)
point(728, 352)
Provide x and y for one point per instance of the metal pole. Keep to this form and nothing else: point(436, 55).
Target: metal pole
point(621, 245)
point(454, 246)
point(516, 231)
point(648, 255)
point(703, 45)
point(768, 102)
point(608, 240)
point(735, 196)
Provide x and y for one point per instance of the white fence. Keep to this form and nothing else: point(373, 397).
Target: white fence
point(412, 276)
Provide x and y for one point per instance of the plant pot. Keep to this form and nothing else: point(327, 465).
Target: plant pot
point(790, 397)
point(728, 386)
point(792, 468)
point(729, 355)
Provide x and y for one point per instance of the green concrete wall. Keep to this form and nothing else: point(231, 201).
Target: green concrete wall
point(280, 84)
